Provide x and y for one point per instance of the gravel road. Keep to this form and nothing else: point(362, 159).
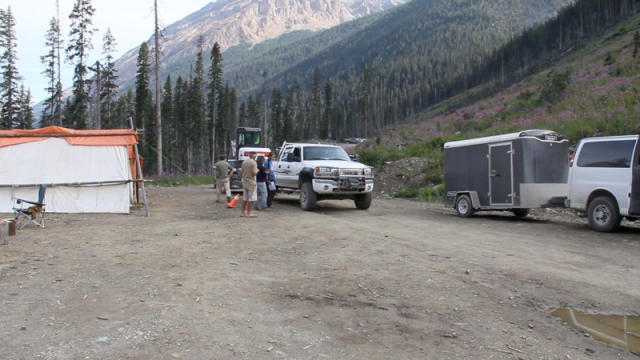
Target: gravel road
point(403, 280)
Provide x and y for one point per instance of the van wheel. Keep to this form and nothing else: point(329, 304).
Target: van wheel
point(308, 197)
point(521, 212)
point(464, 207)
point(604, 215)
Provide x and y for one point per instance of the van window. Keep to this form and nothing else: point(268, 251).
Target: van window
point(607, 154)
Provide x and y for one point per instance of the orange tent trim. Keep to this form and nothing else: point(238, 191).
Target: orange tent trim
point(107, 137)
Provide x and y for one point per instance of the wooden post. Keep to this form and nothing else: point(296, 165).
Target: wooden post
point(139, 170)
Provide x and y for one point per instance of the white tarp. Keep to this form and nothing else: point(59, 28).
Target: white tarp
point(55, 161)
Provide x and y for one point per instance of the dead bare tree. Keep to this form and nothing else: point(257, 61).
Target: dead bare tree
point(157, 75)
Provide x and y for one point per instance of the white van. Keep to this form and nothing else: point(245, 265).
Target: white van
point(604, 181)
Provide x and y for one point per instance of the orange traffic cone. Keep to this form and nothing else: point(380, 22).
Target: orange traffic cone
point(233, 201)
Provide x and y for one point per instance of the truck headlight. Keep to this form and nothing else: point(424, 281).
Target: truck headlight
point(326, 171)
point(367, 172)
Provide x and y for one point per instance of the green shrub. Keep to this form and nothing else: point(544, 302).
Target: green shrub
point(552, 91)
point(407, 193)
point(427, 194)
point(609, 60)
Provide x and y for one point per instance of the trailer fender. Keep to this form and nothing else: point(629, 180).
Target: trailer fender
point(452, 198)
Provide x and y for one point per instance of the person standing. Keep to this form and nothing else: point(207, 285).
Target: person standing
point(261, 179)
point(271, 179)
point(248, 172)
point(223, 171)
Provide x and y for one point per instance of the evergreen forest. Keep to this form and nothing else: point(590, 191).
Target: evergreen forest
point(358, 79)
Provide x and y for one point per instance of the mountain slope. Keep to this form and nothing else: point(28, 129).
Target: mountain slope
point(233, 22)
point(407, 54)
point(596, 92)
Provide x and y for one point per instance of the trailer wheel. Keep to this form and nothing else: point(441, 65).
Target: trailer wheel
point(521, 212)
point(603, 214)
point(464, 206)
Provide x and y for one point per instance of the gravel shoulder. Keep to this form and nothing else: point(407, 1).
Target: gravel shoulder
point(404, 280)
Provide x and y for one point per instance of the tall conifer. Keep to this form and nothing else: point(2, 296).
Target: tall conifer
point(77, 51)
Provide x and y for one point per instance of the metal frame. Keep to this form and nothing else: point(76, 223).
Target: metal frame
point(39, 218)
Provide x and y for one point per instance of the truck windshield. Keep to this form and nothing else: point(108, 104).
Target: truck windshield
point(325, 153)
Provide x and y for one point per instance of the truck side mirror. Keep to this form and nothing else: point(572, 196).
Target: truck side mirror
point(355, 157)
point(290, 157)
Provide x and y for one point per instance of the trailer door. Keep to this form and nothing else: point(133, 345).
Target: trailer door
point(501, 174)
point(634, 203)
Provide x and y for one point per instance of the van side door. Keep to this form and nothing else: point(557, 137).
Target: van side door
point(634, 201)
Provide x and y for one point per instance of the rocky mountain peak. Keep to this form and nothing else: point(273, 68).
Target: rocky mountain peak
point(233, 22)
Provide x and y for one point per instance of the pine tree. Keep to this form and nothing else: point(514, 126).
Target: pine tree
point(197, 110)
point(25, 116)
point(301, 112)
point(51, 114)
point(262, 101)
point(124, 109)
point(366, 103)
point(288, 132)
point(215, 86)
point(143, 95)
point(276, 117)
point(181, 141)
point(253, 112)
point(231, 122)
point(168, 125)
point(222, 116)
point(108, 87)
point(144, 107)
point(9, 76)
point(328, 111)
point(242, 115)
point(78, 54)
point(316, 103)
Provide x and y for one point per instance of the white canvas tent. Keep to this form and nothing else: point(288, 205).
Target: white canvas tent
point(85, 171)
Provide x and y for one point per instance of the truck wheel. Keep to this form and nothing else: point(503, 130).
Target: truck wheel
point(464, 206)
point(363, 201)
point(308, 197)
point(521, 212)
point(603, 214)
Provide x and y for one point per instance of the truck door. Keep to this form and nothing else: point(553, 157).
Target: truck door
point(296, 166)
point(634, 203)
point(283, 169)
point(501, 174)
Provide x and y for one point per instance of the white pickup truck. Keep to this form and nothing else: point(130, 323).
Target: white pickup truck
point(322, 172)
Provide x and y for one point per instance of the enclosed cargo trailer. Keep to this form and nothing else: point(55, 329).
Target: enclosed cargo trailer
point(512, 172)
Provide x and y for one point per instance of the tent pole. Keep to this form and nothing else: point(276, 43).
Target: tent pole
point(139, 168)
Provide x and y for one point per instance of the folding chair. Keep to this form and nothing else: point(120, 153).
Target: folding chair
point(30, 211)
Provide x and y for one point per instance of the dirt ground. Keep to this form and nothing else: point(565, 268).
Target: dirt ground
point(403, 280)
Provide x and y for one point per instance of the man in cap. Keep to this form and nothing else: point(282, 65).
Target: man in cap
point(248, 172)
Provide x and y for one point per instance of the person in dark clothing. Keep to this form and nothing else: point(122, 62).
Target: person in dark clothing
point(261, 179)
point(271, 179)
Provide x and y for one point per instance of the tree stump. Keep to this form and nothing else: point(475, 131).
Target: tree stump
point(4, 232)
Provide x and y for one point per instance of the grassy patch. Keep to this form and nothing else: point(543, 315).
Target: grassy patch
point(183, 180)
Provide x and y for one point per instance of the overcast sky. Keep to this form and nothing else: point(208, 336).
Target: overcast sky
point(130, 21)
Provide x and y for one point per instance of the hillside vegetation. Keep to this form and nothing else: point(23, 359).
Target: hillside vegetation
point(400, 64)
point(592, 89)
